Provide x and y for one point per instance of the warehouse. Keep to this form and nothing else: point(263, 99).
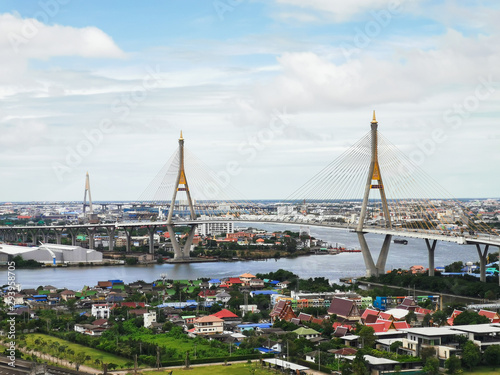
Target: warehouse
point(51, 253)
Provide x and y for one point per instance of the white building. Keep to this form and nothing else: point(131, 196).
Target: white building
point(149, 319)
point(216, 227)
point(53, 254)
point(100, 310)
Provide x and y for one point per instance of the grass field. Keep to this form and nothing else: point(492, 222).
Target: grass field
point(93, 353)
point(234, 369)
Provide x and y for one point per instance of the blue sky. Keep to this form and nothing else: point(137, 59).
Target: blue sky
point(222, 70)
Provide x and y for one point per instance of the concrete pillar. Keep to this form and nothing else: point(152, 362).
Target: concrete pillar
point(58, 233)
point(24, 236)
point(73, 232)
point(371, 270)
point(430, 249)
point(482, 260)
point(186, 251)
point(91, 234)
point(111, 235)
point(151, 232)
point(34, 235)
point(177, 248)
point(384, 252)
point(128, 234)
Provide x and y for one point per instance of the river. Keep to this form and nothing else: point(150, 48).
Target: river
point(332, 267)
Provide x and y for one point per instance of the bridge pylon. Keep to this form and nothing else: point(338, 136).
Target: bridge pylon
point(374, 182)
point(181, 184)
point(87, 190)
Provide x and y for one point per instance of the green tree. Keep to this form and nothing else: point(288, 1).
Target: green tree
point(411, 317)
point(359, 365)
point(471, 355)
point(427, 352)
point(427, 320)
point(492, 356)
point(470, 317)
point(431, 366)
point(439, 317)
point(395, 345)
point(367, 337)
point(453, 365)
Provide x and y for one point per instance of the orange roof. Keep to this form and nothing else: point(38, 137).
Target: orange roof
point(491, 315)
point(208, 319)
point(248, 276)
point(369, 312)
point(224, 313)
point(401, 325)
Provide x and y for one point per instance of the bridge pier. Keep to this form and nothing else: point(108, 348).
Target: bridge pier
point(178, 254)
point(482, 261)
point(186, 252)
point(72, 234)
point(58, 233)
point(151, 232)
point(111, 237)
point(91, 234)
point(371, 268)
point(128, 235)
point(34, 234)
point(430, 249)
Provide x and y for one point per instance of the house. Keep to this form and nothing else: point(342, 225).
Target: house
point(307, 333)
point(377, 365)
point(208, 325)
point(491, 315)
point(246, 278)
point(408, 304)
point(274, 346)
point(100, 310)
point(341, 353)
point(312, 356)
point(149, 319)
point(367, 313)
point(256, 283)
point(443, 339)
point(345, 309)
point(483, 335)
point(222, 297)
point(16, 299)
point(282, 311)
point(283, 284)
point(214, 283)
point(67, 294)
point(304, 317)
point(227, 315)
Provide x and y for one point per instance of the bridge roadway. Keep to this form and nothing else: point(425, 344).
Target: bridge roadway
point(430, 237)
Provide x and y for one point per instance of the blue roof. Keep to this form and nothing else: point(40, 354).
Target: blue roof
point(265, 350)
point(83, 313)
point(265, 292)
point(213, 281)
point(255, 325)
point(40, 296)
point(274, 282)
point(116, 281)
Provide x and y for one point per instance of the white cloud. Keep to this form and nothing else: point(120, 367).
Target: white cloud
point(342, 10)
point(32, 39)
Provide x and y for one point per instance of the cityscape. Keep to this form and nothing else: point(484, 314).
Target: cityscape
point(245, 209)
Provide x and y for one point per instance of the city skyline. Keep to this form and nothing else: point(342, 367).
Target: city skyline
point(276, 88)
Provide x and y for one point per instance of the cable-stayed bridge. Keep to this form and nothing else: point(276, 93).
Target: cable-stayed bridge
point(371, 188)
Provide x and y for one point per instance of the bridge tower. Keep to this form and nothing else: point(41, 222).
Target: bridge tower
point(374, 182)
point(87, 190)
point(181, 252)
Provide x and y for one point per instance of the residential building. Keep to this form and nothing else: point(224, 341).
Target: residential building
point(100, 310)
point(208, 325)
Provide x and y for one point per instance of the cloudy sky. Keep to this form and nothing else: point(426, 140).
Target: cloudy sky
point(265, 91)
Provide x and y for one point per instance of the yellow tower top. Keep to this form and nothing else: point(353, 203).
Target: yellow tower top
point(374, 121)
point(180, 139)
